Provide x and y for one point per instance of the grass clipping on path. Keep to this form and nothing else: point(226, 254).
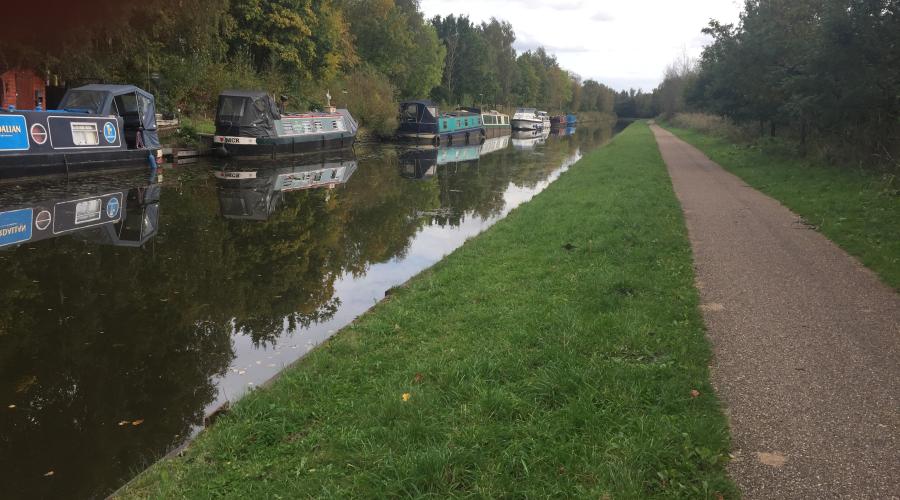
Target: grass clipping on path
point(858, 210)
point(559, 353)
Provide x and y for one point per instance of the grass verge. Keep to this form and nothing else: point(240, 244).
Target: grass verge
point(858, 210)
point(553, 355)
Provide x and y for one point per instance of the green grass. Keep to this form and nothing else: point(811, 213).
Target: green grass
point(532, 370)
point(198, 125)
point(857, 209)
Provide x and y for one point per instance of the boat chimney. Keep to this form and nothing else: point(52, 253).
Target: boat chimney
point(328, 107)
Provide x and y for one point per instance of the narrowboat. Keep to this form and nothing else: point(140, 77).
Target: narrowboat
point(249, 123)
point(495, 123)
point(558, 121)
point(256, 194)
point(527, 119)
point(421, 120)
point(96, 127)
point(571, 120)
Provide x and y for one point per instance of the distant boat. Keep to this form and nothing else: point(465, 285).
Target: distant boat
point(96, 127)
point(527, 119)
point(495, 123)
point(249, 123)
point(558, 121)
point(571, 120)
point(545, 119)
point(422, 120)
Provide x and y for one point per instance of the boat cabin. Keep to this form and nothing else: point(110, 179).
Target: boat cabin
point(418, 117)
point(135, 106)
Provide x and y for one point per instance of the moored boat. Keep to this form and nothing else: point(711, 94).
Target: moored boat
point(545, 119)
point(571, 120)
point(96, 127)
point(495, 123)
point(249, 123)
point(526, 140)
point(527, 119)
point(558, 121)
point(421, 120)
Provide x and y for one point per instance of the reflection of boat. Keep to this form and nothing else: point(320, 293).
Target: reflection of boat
point(558, 121)
point(421, 162)
point(248, 123)
point(255, 194)
point(529, 139)
point(97, 126)
point(121, 210)
point(421, 120)
point(495, 144)
point(571, 120)
point(562, 132)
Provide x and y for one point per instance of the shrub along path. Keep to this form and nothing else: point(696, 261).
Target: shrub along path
point(561, 352)
point(805, 338)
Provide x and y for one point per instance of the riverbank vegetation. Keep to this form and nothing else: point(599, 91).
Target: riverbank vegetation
point(591, 381)
point(369, 54)
point(822, 78)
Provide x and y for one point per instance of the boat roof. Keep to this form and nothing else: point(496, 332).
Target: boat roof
point(243, 93)
point(424, 102)
point(113, 89)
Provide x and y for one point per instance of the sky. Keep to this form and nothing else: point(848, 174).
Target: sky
point(623, 43)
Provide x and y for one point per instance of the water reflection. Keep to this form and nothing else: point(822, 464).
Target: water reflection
point(212, 281)
point(529, 139)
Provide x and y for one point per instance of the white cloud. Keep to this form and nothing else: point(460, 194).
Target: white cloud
point(624, 44)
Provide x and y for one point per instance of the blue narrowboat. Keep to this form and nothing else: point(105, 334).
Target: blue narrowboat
point(571, 120)
point(95, 127)
point(421, 120)
point(249, 123)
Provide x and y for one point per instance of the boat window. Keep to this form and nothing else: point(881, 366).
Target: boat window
point(446, 124)
point(84, 100)
point(409, 113)
point(231, 108)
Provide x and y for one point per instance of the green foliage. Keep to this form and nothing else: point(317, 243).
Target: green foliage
point(826, 72)
point(371, 96)
point(467, 384)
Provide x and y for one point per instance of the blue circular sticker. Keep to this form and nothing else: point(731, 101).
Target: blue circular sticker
point(112, 208)
point(109, 132)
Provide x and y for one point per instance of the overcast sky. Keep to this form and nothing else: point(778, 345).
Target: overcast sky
point(622, 43)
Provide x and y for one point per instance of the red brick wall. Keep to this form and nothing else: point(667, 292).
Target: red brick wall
point(10, 89)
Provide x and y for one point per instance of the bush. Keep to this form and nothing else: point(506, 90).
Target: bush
point(709, 124)
point(370, 97)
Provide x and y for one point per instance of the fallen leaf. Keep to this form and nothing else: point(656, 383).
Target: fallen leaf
point(418, 378)
point(695, 393)
point(137, 422)
point(406, 396)
point(49, 473)
point(124, 422)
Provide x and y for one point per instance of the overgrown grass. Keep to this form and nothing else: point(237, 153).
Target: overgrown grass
point(553, 355)
point(856, 208)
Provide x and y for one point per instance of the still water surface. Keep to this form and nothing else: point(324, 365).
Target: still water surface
point(121, 332)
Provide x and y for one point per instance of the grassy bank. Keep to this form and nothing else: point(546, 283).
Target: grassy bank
point(555, 354)
point(857, 209)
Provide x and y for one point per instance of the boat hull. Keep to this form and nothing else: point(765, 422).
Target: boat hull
point(527, 124)
point(15, 167)
point(266, 147)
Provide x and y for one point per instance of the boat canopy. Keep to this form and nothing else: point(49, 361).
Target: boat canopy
point(136, 106)
point(418, 112)
point(253, 112)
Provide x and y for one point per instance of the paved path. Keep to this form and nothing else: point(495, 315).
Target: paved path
point(806, 341)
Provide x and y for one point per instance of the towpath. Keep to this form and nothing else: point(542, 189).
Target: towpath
point(806, 341)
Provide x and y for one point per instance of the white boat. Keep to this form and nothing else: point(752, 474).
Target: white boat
point(528, 119)
point(524, 140)
point(545, 119)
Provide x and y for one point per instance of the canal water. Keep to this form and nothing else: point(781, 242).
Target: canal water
point(140, 304)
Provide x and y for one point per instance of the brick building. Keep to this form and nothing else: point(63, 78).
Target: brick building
point(22, 88)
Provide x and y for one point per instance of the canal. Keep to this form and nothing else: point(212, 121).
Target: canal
point(127, 321)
